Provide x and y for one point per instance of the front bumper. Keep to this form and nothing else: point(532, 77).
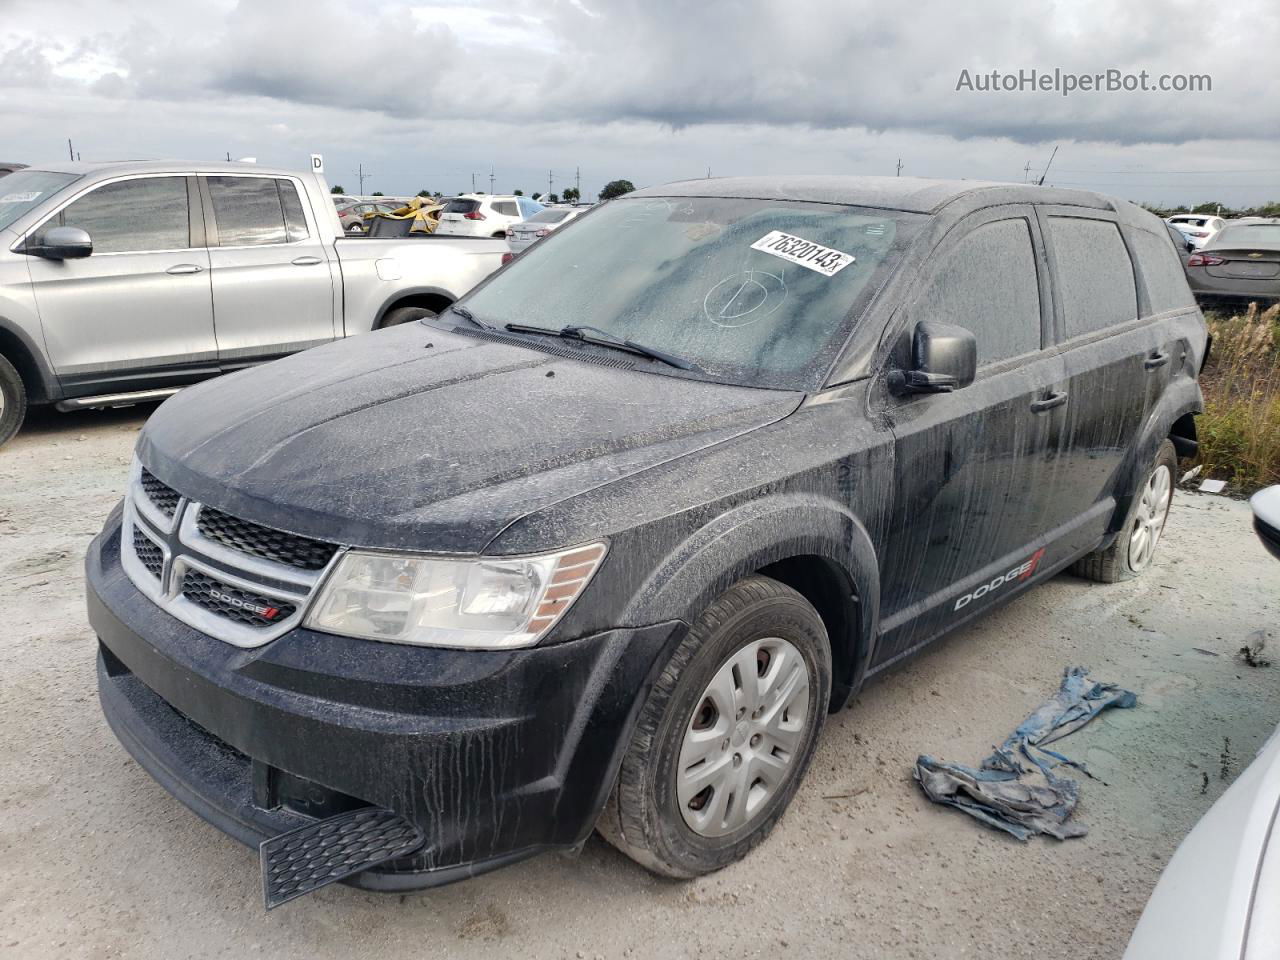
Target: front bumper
point(495, 754)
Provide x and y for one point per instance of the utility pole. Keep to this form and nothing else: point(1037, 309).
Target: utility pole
point(548, 184)
point(1040, 182)
point(363, 176)
point(1026, 172)
point(228, 156)
point(899, 173)
point(708, 173)
point(577, 184)
point(491, 181)
point(70, 150)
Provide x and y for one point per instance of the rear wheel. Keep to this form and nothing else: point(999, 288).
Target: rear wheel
point(726, 735)
point(13, 400)
point(405, 315)
point(1135, 546)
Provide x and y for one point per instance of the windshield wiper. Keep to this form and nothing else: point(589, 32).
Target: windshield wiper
point(470, 317)
point(607, 339)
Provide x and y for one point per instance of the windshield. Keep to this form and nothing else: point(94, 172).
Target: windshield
point(25, 189)
point(1254, 234)
point(757, 292)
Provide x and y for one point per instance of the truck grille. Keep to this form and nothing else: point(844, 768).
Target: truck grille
point(150, 556)
point(232, 579)
point(286, 548)
point(163, 496)
point(238, 605)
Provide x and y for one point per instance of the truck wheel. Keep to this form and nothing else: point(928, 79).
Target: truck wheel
point(13, 400)
point(405, 315)
point(726, 734)
point(1135, 545)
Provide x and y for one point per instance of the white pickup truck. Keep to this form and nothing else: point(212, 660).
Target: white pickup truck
point(124, 282)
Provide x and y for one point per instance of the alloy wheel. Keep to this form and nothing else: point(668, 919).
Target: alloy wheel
point(1148, 521)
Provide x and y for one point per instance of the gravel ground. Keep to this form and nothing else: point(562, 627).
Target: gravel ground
point(100, 862)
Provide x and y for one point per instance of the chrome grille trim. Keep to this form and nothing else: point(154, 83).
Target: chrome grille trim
point(183, 548)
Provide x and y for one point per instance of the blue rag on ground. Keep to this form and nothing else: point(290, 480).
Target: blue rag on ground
point(996, 794)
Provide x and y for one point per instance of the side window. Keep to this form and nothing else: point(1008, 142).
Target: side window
point(294, 219)
point(987, 284)
point(247, 210)
point(1162, 272)
point(132, 216)
point(505, 208)
point(1094, 274)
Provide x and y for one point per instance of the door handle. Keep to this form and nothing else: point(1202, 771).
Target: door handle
point(1155, 361)
point(183, 268)
point(1049, 402)
point(306, 261)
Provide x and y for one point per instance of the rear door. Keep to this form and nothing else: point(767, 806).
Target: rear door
point(1114, 359)
point(273, 289)
point(137, 313)
point(972, 470)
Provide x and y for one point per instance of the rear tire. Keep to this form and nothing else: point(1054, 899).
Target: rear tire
point(13, 401)
point(1135, 545)
point(406, 315)
point(660, 813)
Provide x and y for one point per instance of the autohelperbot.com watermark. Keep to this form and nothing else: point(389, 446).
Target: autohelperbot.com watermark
point(1065, 82)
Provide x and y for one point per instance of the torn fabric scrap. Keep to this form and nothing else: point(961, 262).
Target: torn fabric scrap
point(996, 792)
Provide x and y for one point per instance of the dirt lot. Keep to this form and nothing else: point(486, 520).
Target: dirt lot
point(100, 862)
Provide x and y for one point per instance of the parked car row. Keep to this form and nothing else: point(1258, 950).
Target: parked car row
point(123, 282)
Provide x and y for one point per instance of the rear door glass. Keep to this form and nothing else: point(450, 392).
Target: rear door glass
point(505, 208)
point(247, 210)
point(1094, 274)
point(295, 220)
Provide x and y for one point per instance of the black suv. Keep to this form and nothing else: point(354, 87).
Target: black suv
point(603, 545)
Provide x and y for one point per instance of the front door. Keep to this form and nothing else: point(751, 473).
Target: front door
point(972, 468)
point(137, 312)
point(273, 291)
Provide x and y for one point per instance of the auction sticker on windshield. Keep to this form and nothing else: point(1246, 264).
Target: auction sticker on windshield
point(804, 252)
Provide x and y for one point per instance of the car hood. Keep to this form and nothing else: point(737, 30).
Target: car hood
point(430, 440)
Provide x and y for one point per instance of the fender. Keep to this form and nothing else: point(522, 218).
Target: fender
point(1180, 398)
point(16, 344)
point(756, 534)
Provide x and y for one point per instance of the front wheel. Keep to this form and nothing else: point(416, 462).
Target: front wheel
point(1135, 546)
point(13, 400)
point(726, 735)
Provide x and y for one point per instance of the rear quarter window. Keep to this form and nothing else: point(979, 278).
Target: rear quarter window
point(1093, 273)
point(1162, 272)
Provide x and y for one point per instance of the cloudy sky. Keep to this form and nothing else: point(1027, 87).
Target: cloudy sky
point(430, 94)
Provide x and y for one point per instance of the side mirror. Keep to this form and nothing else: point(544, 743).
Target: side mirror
point(62, 243)
point(943, 358)
point(1191, 247)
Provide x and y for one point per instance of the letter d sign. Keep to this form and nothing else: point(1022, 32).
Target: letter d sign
point(317, 163)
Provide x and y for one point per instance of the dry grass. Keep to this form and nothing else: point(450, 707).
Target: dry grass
point(1240, 430)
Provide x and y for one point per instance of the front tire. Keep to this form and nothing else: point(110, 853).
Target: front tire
point(13, 401)
point(726, 734)
point(1135, 546)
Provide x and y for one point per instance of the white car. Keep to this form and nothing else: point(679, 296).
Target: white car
point(521, 236)
point(484, 215)
point(1200, 228)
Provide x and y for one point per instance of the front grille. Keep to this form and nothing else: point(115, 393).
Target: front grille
point(161, 494)
point(151, 556)
point(287, 548)
point(236, 605)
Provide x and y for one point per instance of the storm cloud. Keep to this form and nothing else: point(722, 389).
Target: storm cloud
point(477, 85)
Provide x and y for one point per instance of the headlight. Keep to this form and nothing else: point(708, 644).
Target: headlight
point(484, 603)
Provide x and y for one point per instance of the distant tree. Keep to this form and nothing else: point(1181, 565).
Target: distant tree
point(518, 193)
point(424, 193)
point(552, 198)
point(439, 194)
point(570, 195)
point(616, 188)
point(537, 196)
point(377, 193)
point(336, 188)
